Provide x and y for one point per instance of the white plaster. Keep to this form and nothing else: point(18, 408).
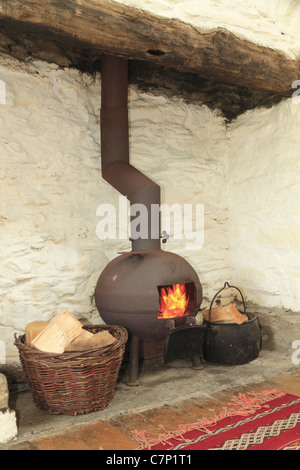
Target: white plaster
point(3, 392)
point(270, 23)
point(8, 426)
point(50, 169)
point(264, 192)
point(8, 422)
point(184, 149)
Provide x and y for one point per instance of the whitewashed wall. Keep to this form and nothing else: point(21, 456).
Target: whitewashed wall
point(263, 161)
point(49, 167)
point(51, 186)
point(264, 195)
point(246, 175)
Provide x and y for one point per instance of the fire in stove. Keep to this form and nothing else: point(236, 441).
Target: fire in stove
point(175, 300)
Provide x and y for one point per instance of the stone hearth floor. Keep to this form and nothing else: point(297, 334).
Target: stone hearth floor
point(113, 430)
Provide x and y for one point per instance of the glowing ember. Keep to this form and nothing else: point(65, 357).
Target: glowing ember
point(173, 301)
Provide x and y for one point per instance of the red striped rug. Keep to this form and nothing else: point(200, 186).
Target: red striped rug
point(265, 421)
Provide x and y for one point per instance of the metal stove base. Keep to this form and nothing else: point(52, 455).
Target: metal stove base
point(181, 342)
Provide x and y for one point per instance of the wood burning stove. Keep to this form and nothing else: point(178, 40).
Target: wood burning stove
point(149, 291)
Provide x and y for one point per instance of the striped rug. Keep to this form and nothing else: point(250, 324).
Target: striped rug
point(265, 421)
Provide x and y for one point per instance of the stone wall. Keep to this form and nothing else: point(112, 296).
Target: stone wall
point(49, 154)
point(8, 421)
point(264, 192)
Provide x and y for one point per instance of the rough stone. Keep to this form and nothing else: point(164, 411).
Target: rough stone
point(3, 393)
point(263, 195)
point(8, 424)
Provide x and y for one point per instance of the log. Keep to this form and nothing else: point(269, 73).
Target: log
point(32, 329)
point(112, 28)
point(226, 314)
point(78, 343)
point(88, 341)
point(58, 334)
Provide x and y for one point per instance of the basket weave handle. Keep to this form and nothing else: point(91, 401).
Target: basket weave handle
point(233, 287)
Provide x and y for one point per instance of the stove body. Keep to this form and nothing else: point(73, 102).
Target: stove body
point(129, 292)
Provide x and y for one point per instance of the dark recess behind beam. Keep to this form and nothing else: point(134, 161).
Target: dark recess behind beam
point(231, 100)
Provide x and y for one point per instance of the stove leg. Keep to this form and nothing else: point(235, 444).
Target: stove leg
point(134, 362)
point(197, 364)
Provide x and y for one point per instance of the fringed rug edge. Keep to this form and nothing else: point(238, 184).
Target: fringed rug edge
point(241, 405)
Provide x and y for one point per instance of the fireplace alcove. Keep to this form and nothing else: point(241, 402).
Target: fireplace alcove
point(238, 96)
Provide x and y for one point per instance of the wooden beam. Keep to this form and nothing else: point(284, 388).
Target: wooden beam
point(113, 28)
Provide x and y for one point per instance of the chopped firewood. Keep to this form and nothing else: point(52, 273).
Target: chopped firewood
point(58, 334)
point(81, 339)
point(227, 314)
point(91, 341)
point(33, 329)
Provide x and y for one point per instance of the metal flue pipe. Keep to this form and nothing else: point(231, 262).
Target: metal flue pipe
point(141, 191)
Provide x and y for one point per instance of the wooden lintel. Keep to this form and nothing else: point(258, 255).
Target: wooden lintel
point(113, 28)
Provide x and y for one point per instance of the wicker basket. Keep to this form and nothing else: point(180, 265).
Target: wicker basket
point(74, 383)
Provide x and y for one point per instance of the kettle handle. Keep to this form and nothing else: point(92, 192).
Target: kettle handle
point(233, 287)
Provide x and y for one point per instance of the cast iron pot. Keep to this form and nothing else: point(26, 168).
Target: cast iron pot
point(230, 343)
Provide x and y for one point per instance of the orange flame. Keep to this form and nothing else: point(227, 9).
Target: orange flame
point(173, 301)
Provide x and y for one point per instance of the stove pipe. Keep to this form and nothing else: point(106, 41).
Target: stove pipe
point(116, 169)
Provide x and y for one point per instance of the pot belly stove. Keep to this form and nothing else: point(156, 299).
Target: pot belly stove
point(149, 291)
